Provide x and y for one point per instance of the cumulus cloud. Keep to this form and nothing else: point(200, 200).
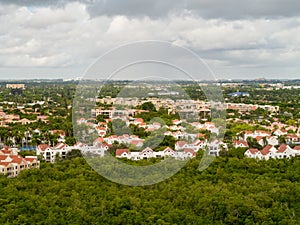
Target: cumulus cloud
point(227, 9)
point(231, 34)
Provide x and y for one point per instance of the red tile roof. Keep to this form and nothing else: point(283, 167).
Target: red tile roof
point(6, 151)
point(4, 163)
point(266, 150)
point(190, 150)
point(297, 148)
point(282, 148)
point(3, 157)
point(135, 142)
point(241, 142)
point(168, 149)
point(43, 147)
point(17, 159)
point(30, 159)
point(119, 152)
point(181, 143)
point(253, 150)
point(99, 139)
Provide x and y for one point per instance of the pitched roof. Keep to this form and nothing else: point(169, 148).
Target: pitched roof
point(147, 149)
point(253, 150)
point(43, 147)
point(292, 136)
point(168, 149)
point(239, 142)
point(266, 150)
point(4, 163)
point(282, 148)
point(181, 143)
point(17, 159)
point(60, 146)
point(3, 157)
point(99, 139)
point(139, 120)
point(190, 150)
point(297, 148)
point(6, 151)
point(119, 152)
point(30, 159)
point(258, 138)
point(135, 142)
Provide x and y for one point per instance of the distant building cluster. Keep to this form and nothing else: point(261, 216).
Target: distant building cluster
point(16, 86)
point(6, 119)
point(186, 108)
point(241, 107)
point(239, 94)
point(11, 163)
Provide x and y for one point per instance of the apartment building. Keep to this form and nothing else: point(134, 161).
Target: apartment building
point(11, 164)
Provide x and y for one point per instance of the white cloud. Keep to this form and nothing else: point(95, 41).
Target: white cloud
point(60, 37)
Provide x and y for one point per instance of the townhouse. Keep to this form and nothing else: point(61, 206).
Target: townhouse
point(270, 152)
point(240, 144)
point(11, 164)
point(49, 154)
point(213, 147)
point(148, 153)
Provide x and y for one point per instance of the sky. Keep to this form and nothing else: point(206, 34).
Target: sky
point(237, 39)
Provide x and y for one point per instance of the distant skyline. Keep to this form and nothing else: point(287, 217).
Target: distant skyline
point(237, 39)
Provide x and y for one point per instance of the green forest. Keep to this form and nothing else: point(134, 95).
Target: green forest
point(232, 190)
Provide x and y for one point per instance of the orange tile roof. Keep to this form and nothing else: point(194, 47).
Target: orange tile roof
point(119, 152)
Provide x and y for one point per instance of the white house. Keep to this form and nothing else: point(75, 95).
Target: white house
point(279, 132)
point(240, 144)
point(122, 153)
point(261, 133)
point(272, 140)
point(169, 152)
point(147, 153)
point(253, 153)
point(49, 154)
point(179, 145)
point(215, 146)
point(284, 151)
point(268, 152)
point(297, 150)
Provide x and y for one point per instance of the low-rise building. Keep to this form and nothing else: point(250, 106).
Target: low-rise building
point(49, 154)
point(11, 164)
point(148, 153)
point(270, 152)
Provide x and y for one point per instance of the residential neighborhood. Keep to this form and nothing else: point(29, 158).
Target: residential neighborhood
point(158, 112)
point(11, 163)
point(125, 123)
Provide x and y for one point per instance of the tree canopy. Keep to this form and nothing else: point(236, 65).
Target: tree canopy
point(229, 191)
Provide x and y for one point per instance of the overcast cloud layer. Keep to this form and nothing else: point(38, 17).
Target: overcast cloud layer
point(238, 39)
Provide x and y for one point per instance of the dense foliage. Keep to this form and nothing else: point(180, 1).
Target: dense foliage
point(229, 191)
